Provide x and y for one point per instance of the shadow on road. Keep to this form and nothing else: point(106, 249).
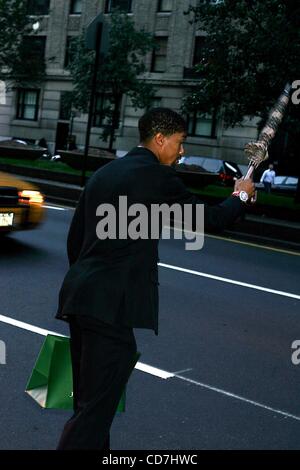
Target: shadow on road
point(13, 248)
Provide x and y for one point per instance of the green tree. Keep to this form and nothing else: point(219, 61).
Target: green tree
point(119, 73)
point(252, 49)
point(20, 59)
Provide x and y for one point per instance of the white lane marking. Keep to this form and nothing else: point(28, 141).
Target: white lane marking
point(182, 371)
point(230, 281)
point(41, 331)
point(238, 397)
point(27, 326)
point(154, 370)
point(56, 208)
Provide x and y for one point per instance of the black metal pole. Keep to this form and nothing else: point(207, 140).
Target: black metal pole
point(91, 106)
point(70, 130)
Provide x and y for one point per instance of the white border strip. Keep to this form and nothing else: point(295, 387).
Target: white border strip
point(230, 281)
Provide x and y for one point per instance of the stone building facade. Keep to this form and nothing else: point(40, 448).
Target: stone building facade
point(36, 114)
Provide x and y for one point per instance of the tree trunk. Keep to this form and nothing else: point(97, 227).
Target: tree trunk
point(114, 122)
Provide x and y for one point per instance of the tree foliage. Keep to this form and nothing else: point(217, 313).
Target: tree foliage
point(252, 50)
point(19, 64)
point(119, 72)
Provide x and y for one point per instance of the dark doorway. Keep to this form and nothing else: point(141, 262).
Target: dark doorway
point(62, 132)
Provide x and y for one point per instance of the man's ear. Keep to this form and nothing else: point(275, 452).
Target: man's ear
point(159, 139)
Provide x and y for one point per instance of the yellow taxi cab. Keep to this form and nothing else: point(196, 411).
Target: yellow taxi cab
point(21, 204)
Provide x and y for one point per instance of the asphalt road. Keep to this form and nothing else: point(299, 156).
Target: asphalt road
point(227, 346)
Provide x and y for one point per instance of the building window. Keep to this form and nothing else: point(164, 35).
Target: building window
point(159, 58)
point(103, 110)
point(76, 7)
point(28, 104)
point(35, 46)
point(38, 7)
point(200, 44)
point(192, 72)
point(201, 125)
point(65, 105)
point(165, 5)
point(123, 5)
point(69, 52)
point(155, 102)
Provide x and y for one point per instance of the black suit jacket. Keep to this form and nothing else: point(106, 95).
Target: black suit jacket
point(116, 281)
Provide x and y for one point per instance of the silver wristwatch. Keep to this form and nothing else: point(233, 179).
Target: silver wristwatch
point(243, 195)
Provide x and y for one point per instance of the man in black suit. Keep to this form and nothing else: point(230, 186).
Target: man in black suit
point(112, 284)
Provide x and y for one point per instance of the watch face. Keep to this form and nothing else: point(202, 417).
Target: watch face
point(244, 196)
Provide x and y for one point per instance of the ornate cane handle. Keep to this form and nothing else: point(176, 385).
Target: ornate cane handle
point(257, 152)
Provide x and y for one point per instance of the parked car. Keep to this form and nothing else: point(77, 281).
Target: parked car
point(229, 173)
point(282, 184)
point(21, 204)
point(192, 172)
point(222, 171)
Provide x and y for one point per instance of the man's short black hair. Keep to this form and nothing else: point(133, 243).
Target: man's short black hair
point(162, 120)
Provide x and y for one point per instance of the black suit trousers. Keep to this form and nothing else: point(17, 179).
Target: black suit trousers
point(103, 357)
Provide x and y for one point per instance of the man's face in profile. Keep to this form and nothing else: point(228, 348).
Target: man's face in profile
point(172, 148)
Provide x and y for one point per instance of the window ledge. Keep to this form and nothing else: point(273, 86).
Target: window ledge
point(25, 123)
point(38, 16)
point(130, 13)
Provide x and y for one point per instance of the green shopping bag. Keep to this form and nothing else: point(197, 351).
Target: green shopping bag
point(51, 383)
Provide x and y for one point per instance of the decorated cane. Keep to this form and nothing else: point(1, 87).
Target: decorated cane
point(257, 152)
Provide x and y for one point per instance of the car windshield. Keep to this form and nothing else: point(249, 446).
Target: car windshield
point(191, 161)
point(291, 180)
point(211, 164)
point(279, 179)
